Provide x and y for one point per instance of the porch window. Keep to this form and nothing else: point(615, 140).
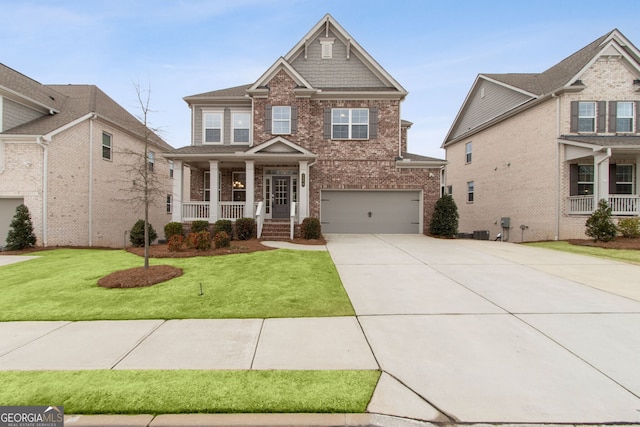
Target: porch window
point(239, 187)
point(207, 185)
point(468, 150)
point(624, 179)
point(624, 117)
point(350, 123)
point(585, 180)
point(106, 146)
point(281, 120)
point(241, 128)
point(470, 191)
point(212, 128)
point(586, 117)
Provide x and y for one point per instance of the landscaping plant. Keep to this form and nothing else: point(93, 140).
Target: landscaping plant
point(310, 228)
point(136, 235)
point(444, 221)
point(175, 243)
point(197, 226)
point(629, 227)
point(245, 228)
point(222, 239)
point(599, 225)
point(21, 234)
point(223, 225)
point(173, 229)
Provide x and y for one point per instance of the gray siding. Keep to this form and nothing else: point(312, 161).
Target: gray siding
point(497, 100)
point(14, 114)
point(337, 72)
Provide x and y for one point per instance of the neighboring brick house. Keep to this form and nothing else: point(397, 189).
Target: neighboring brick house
point(540, 150)
point(319, 134)
point(66, 153)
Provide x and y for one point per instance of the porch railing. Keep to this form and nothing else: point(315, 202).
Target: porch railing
point(194, 211)
point(620, 204)
point(230, 210)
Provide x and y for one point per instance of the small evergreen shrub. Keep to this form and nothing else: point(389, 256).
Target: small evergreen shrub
point(629, 227)
point(223, 225)
point(599, 225)
point(245, 228)
point(173, 229)
point(222, 239)
point(176, 242)
point(21, 234)
point(136, 235)
point(197, 226)
point(310, 228)
point(204, 241)
point(444, 221)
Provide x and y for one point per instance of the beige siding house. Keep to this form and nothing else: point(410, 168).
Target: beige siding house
point(66, 152)
point(319, 134)
point(530, 155)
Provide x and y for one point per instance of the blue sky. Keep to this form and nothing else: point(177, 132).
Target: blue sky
point(435, 49)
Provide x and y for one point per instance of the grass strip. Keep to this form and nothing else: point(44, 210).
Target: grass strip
point(625, 255)
point(62, 285)
point(180, 391)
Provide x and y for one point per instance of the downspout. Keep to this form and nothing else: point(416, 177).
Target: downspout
point(558, 169)
point(399, 129)
point(597, 175)
point(44, 143)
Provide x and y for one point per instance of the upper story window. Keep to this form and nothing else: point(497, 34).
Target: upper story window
point(467, 151)
point(350, 123)
point(212, 128)
point(281, 120)
point(171, 169)
point(241, 127)
point(470, 191)
point(106, 146)
point(586, 116)
point(151, 160)
point(624, 117)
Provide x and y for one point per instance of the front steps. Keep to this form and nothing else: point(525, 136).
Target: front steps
point(274, 229)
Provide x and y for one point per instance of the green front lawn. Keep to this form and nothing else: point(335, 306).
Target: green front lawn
point(625, 255)
point(174, 392)
point(61, 285)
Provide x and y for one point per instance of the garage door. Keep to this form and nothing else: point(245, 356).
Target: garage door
point(7, 212)
point(391, 212)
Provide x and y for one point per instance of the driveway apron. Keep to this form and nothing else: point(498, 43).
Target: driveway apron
point(491, 332)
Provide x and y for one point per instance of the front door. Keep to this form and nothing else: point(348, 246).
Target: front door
point(281, 196)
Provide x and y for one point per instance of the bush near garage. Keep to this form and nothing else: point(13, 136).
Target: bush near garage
point(310, 228)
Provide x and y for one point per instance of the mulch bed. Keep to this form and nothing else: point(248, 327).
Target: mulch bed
point(140, 277)
point(618, 243)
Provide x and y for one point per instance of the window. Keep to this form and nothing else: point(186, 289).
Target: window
point(207, 185)
point(169, 203)
point(586, 116)
point(585, 180)
point(470, 191)
point(241, 123)
point(212, 128)
point(281, 120)
point(467, 151)
point(350, 123)
point(106, 146)
point(239, 187)
point(170, 168)
point(624, 117)
point(151, 160)
point(624, 179)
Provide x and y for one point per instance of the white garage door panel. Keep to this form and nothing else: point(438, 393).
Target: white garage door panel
point(370, 212)
point(7, 212)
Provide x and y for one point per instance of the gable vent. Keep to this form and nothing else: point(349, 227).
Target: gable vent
point(327, 47)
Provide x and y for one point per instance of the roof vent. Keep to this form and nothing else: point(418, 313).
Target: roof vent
point(327, 47)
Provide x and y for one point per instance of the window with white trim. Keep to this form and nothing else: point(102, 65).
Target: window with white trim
point(350, 123)
point(212, 127)
point(468, 151)
point(150, 160)
point(624, 116)
point(241, 127)
point(624, 179)
point(281, 120)
point(169, 203)
point(470, 191)
point(585, 180)
point(171, 169)
point(106, 146)
point(586, 116)
point(239, 186)
point(207, 185)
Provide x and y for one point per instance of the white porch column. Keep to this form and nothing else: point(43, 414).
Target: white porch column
point(601, 177)
point(250, 190)
point(178, 190)
point(303, 190)
point(213, 191)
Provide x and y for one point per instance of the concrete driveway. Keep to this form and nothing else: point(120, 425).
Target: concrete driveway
point(491, 332)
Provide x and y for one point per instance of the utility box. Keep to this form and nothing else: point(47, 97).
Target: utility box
point(481, 234)
point(505, 222)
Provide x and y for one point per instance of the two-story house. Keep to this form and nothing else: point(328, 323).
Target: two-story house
point(530, 155)
point(319, 134)
point(70, 154)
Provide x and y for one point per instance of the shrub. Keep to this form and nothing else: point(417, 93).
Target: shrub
point(175, 243)
point(136, 235)
point(21, 234)
point(197, 226)
point(173, 229)
point(245, 228)
point(444, 221)
point(200, 241)
point(629, 227)
point(599, 225)
point(222, 239)
point(310, 228)
point(223, 225)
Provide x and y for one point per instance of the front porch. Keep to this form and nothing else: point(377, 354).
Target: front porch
point(621, 205)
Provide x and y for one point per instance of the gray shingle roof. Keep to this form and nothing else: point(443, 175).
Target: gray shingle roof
point(606, 141)
point(232, 92)
point(210, 149)
point(27, 87)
